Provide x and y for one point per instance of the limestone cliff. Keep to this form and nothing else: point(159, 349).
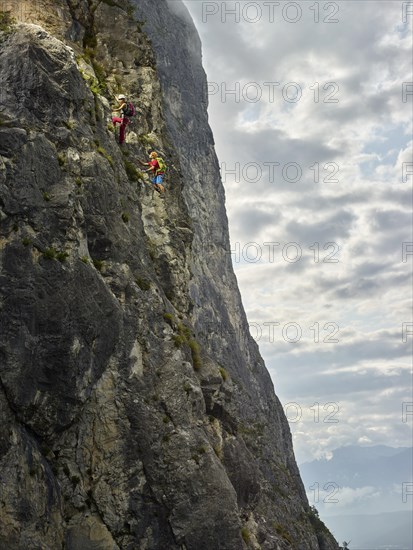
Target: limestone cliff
point(136, 410)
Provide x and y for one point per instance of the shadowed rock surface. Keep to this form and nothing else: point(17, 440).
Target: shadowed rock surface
point(136, 410)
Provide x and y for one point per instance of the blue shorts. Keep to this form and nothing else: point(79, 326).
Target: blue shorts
point(158, 179)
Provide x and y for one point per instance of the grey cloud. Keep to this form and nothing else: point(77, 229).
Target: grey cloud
point(250, 221)
point(280, 161)
point(342, 355)
point(402, 197)
point(335, 227)
point(362, 212)
point(342, 385)
point(363, 108)
point(320, 203)
point(355, 286)
point(371, 269)
point(391, 220)
point(355, 289)
point(390, 228)
point(269, 145)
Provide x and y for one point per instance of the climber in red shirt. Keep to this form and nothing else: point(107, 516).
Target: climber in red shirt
point(156, 166)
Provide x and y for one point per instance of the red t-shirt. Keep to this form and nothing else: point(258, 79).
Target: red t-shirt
point(155, 166)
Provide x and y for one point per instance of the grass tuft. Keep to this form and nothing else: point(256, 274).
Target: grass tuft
point(102, 151)
point(98, 264)
point(143, 284)
point(196, 354)
point(62, 256)
point(49, 254)
point(132, 172)
point(170, 319)
point(178, 340)
point(223, 374)
point(245, 534)
point(6, 22)
point(61, 159)
point(184, 337)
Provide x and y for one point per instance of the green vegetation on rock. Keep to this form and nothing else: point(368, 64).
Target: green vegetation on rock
point(6, 22)
point(143, 284)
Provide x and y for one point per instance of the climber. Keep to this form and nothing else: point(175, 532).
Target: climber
point(157, 167)
point(127, 111)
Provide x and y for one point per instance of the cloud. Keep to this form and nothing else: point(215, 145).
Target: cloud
point(347, 135)
point(336, 497)
point(252, 220)
point(336, 226)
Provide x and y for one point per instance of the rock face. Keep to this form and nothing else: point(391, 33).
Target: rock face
point(136, 410)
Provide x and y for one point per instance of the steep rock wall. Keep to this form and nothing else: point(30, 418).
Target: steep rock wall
point(137, 410)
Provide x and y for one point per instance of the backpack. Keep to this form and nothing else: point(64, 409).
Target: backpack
point(129, 110)
point(162, 165)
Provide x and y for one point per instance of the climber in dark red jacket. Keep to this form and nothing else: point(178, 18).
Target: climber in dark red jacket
point(127, 110)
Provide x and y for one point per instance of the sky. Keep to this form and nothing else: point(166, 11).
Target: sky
point(311, 108)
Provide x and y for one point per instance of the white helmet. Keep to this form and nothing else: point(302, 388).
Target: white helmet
point(121, 96)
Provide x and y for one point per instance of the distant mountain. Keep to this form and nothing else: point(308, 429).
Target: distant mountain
point(378, 531)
